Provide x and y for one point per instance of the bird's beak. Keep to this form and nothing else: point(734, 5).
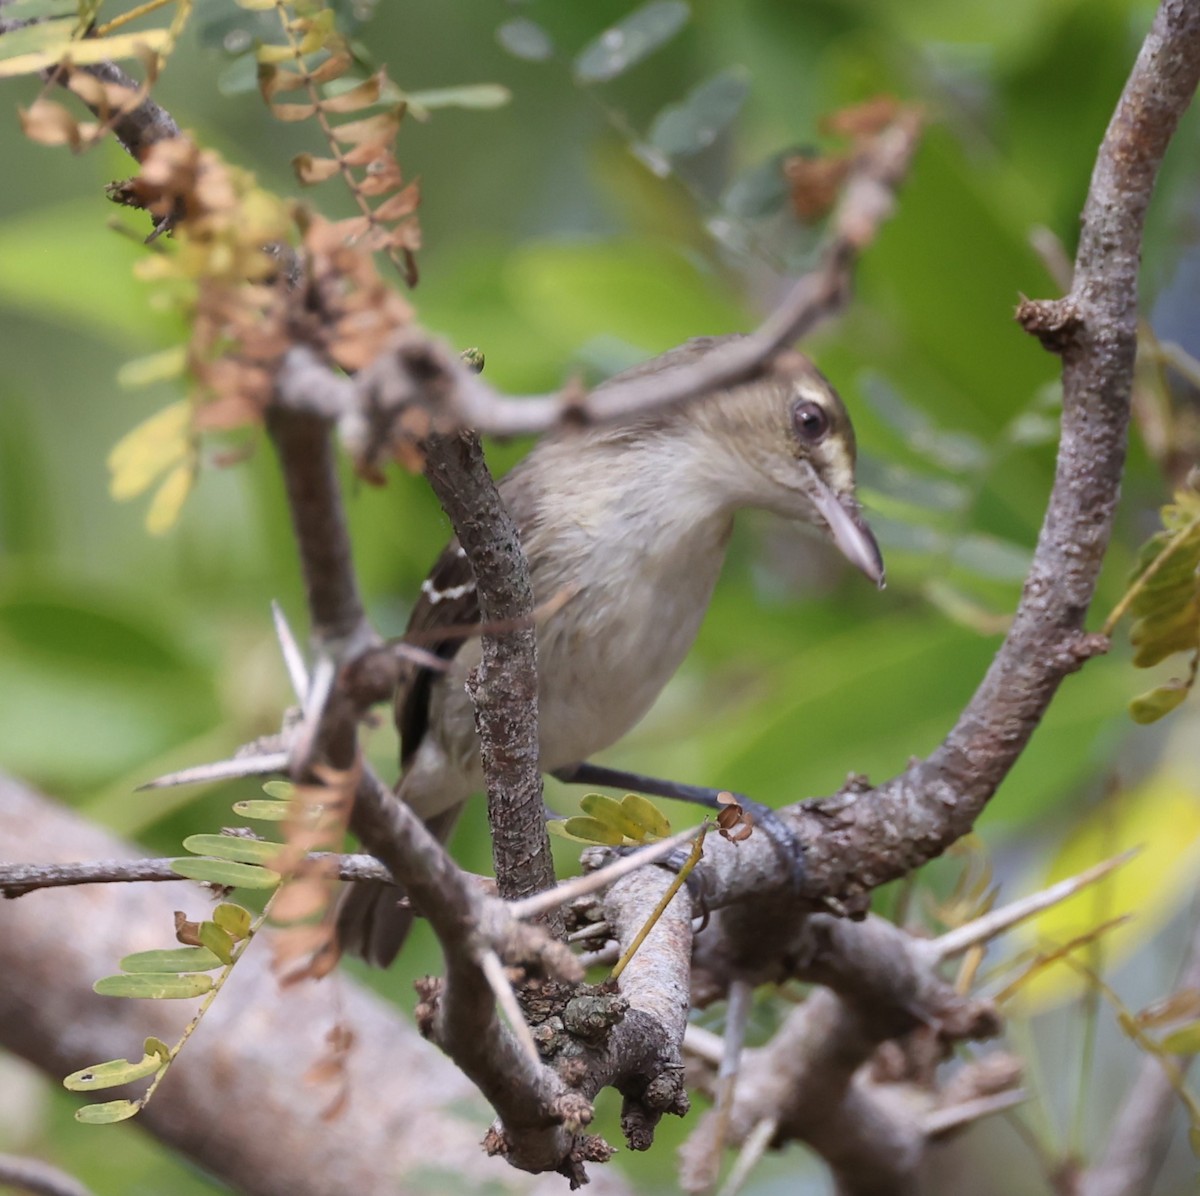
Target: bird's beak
point(850, 532)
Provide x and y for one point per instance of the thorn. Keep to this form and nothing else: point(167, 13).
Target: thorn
point(293, 658)
point(222, 770)
point(319, 688)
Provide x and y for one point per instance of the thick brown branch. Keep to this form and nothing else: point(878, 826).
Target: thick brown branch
point(809, 1081)
point(505, 690)
point(237, 1101)
point(866, 836)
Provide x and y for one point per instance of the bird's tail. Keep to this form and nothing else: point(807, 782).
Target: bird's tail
point(371, 922)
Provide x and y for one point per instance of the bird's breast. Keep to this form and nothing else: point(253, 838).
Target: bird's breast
point(605, 657)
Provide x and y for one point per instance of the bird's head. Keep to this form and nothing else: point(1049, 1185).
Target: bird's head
point(794, 446)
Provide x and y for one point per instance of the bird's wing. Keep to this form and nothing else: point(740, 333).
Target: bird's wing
point(448, 600)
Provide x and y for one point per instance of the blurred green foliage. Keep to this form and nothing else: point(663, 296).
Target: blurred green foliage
point(561, 237)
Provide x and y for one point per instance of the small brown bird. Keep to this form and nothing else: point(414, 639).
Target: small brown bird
point(633, 520)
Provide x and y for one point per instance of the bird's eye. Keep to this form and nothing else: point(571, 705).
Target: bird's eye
point(810, 420)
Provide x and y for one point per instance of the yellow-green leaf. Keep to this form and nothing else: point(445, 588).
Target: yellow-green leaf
point(283, 790)
point(218, 940)
point(262, 809)
point(1158, 702)
point(586, 830)
point(86, 52)
point(233, 919)
point(112, 1074)
point(149, 450)
point(645, 814)
point(636, 818)
point(232, 847)
point(107, 1113)
point(155, 986)
point(156, 1046)
point(171, 959)
point(229, 874)
point(169, 498)
point(1183, 1041)
point(154, 367)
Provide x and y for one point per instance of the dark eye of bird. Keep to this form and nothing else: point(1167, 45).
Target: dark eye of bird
point(810, 420)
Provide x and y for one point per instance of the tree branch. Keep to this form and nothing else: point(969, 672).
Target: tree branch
point(18, 879)
point(864, 836)
point(505, 690)
point(238, 1102)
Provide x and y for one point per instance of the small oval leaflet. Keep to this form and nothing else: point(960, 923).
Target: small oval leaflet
point(233, 919)
point(1183, 1041)
point(228, 873)
point(263, 809)
point(629, 41)
point(171, 960)
point(107, 1113)
point(157, 986)
point(525, 39)
point(582, 829)
point(112, 1074)
point(231, 847)
point(697, 121)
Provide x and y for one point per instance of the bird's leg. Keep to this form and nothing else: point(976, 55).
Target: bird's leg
point(775, 828)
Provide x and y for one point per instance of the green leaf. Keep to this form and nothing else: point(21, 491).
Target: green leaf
point(1183, 1041)
point(759, 191)
point(171, 959)
point(112, 1074)
point(1158, 702)
point(228, 874)
point(263, 809)
point(233, 847)
point(283, 790)
point(469, 95)
point(156, 1046)
point(634, 817)
point(233, 919)
point(643, 813)
point(586, 830)
point(107, 1113)
point(525, 39)
point(38, 10)
point(218, 940)
point(629, 41)
point(1194, 1139)
point(156, 986)
point(608, 811)
point(696, 123)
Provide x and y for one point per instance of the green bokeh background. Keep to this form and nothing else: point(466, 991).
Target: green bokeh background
point(552, 247)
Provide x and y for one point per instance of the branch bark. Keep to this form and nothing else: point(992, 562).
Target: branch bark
point(506, 689)
point(864, 836)
point(237, 1102)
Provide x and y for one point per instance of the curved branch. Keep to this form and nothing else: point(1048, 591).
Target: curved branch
point(863, 837)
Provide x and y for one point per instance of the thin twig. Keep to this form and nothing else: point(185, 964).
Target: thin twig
point(493, 969)
point(995, 922)
point(591, 882)
point(752, 1152)
point(18, 879)
point(941, 1121)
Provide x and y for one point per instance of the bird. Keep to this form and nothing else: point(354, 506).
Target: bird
point(632, 522)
